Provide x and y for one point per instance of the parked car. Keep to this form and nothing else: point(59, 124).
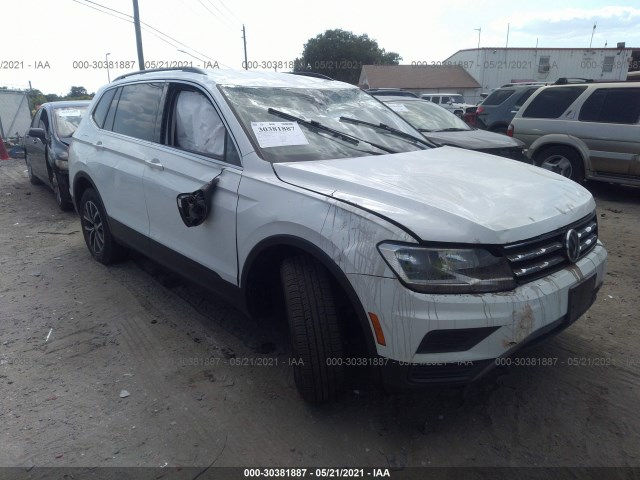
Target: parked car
point(589, 131)
point(295, 194)
point(496, 111)
point(454, 102)
point(444, 128)
point(46, 146)
point(391, 92)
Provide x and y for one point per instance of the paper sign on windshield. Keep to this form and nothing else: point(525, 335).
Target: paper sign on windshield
point(69, 113)
point(398, 107)
point(278, 134)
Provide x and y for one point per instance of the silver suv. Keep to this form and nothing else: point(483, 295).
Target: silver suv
point(583, 131)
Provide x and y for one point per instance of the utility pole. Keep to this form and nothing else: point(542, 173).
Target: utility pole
point(136, 23)
point(244, 40)
point(592, 32)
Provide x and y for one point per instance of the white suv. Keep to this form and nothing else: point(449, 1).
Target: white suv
point(423, 264)
point(454, 102)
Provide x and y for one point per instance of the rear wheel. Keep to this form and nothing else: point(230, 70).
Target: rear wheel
point(95, 229)
point(564, 161)
point(316, 336)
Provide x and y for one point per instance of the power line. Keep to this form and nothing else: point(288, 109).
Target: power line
point(212, 13)
point(130, 20)
point(233, 14)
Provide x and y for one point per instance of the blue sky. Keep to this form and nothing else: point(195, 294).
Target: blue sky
point(70, 34)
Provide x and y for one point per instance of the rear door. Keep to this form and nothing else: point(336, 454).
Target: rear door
point(129, 119)
point(609, 123)
point(198, 149)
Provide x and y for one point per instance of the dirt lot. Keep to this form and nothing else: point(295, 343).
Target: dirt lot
point(74, 334)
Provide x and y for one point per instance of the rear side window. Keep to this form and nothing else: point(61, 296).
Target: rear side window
point(137, 113)
point(552, 102)
point(100, 113)
point(612, 105)
point(497, 97)
point(523, 98)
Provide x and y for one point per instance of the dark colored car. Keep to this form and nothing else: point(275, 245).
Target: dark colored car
point(445, 128)
point(497, 110)
point(391, 92)
point(47, 143)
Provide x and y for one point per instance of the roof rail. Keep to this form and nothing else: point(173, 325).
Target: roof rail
point(517, 84)
point(567, 80)
point(153, 70)
point(311, 74)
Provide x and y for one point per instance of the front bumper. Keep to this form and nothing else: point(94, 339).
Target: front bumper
point(514, 319)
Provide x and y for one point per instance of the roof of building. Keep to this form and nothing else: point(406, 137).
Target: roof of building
point(416, 77)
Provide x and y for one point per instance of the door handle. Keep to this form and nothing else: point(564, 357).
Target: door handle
point(155, 164)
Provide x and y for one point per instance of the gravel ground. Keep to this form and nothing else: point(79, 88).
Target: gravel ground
point(129, 366)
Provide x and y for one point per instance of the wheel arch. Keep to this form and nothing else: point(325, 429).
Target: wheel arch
point(81, 182)
point(561, 140)
point(262, 267)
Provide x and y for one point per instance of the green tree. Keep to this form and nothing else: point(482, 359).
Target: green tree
point(340, 55)
point(77, 93)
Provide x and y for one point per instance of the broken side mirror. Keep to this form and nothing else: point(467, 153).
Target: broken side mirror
point(195, 207)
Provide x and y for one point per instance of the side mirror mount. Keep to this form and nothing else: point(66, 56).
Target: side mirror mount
point(195, 207)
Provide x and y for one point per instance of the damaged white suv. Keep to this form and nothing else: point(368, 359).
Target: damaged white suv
point(302, 195)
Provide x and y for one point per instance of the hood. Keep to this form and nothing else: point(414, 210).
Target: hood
point(473, 139)
point(448, 194)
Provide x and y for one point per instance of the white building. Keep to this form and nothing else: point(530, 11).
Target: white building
point(493, 67)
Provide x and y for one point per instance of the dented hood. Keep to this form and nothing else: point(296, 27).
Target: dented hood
point(448, 194)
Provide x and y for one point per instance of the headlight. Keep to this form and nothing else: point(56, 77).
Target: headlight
point(448, 270)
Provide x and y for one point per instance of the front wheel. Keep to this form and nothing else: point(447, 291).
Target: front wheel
point(63, 199)
point(95, 229)
point(562, 160)
point(316, 336)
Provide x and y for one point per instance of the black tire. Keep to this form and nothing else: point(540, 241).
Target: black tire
point(32, 178)
point(63, 198)
point(95, 229)
point(316, 336)
point(562, 160)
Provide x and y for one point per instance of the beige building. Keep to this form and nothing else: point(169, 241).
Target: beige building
point(420, 79)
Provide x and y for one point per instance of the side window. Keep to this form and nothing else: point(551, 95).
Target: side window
point(614, 105)
point(524, 97)
point(607, 65)
point(543, 65)
point(197, 127)
point(552, 102)
point(36, 119)
point(108, 123)
point(444, 100)
point(137, 112)
point(44, 121)
point(100, 112)
point(497, 97)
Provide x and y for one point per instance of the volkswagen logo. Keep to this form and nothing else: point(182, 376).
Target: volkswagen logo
point(572, 245)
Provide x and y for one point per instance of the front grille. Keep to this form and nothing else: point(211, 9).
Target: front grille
point(541, 256)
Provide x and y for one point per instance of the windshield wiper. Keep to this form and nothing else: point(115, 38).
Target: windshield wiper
point(387, 128)
point(315, 126)
point(453, 130)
